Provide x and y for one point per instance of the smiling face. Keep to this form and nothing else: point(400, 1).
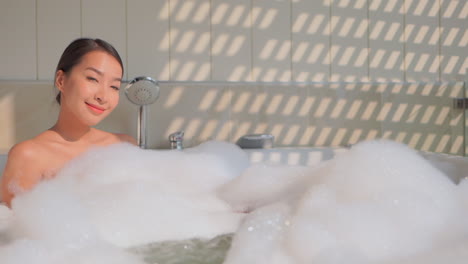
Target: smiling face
point(90, 91)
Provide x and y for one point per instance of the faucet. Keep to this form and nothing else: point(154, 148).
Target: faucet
point(176, 139)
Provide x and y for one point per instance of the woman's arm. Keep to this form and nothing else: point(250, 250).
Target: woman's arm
point(22, 170)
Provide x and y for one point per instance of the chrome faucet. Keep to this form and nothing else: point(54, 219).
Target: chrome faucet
point(176, 139)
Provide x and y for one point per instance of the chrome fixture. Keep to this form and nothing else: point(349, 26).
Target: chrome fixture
point(142, 91)
point(460, 103)
point(177, 139)
point(260, 141)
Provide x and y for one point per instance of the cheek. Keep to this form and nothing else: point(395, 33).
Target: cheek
point(115, 100)
point(77, 91)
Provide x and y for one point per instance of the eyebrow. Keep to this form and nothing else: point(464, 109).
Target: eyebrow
point(100, 73)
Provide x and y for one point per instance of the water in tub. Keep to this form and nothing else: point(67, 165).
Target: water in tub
point(380, 203)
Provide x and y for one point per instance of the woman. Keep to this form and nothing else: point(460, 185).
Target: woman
point(88, 78)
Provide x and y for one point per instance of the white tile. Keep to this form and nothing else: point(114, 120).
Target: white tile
point(247, 106)
point(148, 39)
point(269, 109)
point(200, 110)
point(29, 108)
point(386, 27)
point(311, 40)
point(231, 40)
point(271, 24)
point(340, 114)
point(349, 47)
point(18, 40)
point(422, 116)
point(106, 19)
point(58, 24)
point(454, 52)
point(190, 40)
point(422, 40)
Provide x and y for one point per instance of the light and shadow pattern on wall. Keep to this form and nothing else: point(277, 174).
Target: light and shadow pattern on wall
point(245, 40)
point(421, 115)
point(311, 72)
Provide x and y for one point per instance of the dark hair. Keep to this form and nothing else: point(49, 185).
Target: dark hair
point(75, 51)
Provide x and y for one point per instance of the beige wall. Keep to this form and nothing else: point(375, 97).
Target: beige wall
point(232, 56)
point(297, 114)
point(245, 40)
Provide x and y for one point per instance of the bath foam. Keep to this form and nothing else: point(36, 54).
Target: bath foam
point(463, 192)
point(5, 219)
point(36, 234)
point(122, 196)
point(259, 238)
point(378, 203)
point(263, 184)
point(46, 252)
point(5, 216)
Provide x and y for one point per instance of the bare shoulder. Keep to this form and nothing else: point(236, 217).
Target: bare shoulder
point(126, 138)
point(22, 169)
point(24, 151)
point(36, 148)
point(25, 157)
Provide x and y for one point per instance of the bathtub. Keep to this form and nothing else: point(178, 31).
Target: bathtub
point(306, 156)
point(158, 251)
point(455, 167)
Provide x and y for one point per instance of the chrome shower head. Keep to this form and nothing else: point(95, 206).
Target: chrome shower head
point(142, 91)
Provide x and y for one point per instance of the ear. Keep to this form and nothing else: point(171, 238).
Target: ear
point(59, 80)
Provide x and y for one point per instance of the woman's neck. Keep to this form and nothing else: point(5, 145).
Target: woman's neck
point(71, 131)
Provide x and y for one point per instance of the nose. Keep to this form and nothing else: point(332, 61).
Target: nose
point(101, 94)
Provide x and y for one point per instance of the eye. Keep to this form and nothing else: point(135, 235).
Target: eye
point(91, 79)
point(115, 88)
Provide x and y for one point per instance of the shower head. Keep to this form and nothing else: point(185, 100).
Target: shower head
point(142, 91)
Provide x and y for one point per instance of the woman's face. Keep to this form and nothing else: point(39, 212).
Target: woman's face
point(90, 91)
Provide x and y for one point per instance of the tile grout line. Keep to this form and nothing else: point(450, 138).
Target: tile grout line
point(368, 41)
point(439, 41)
point(330, 14)
point(211, 38)
point(291, 75)
point(251, 42)
point(169, 26)
point(126, 38)
point(81, 18)
point(405, 42)
point(37, 40)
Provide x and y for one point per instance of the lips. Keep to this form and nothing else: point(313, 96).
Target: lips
point(95, 108)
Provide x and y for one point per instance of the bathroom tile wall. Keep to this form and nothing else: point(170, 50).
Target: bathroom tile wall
point(26, 109)
point(227, 43)
point(247, 40)
point(301, 115)
point(422, 115)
